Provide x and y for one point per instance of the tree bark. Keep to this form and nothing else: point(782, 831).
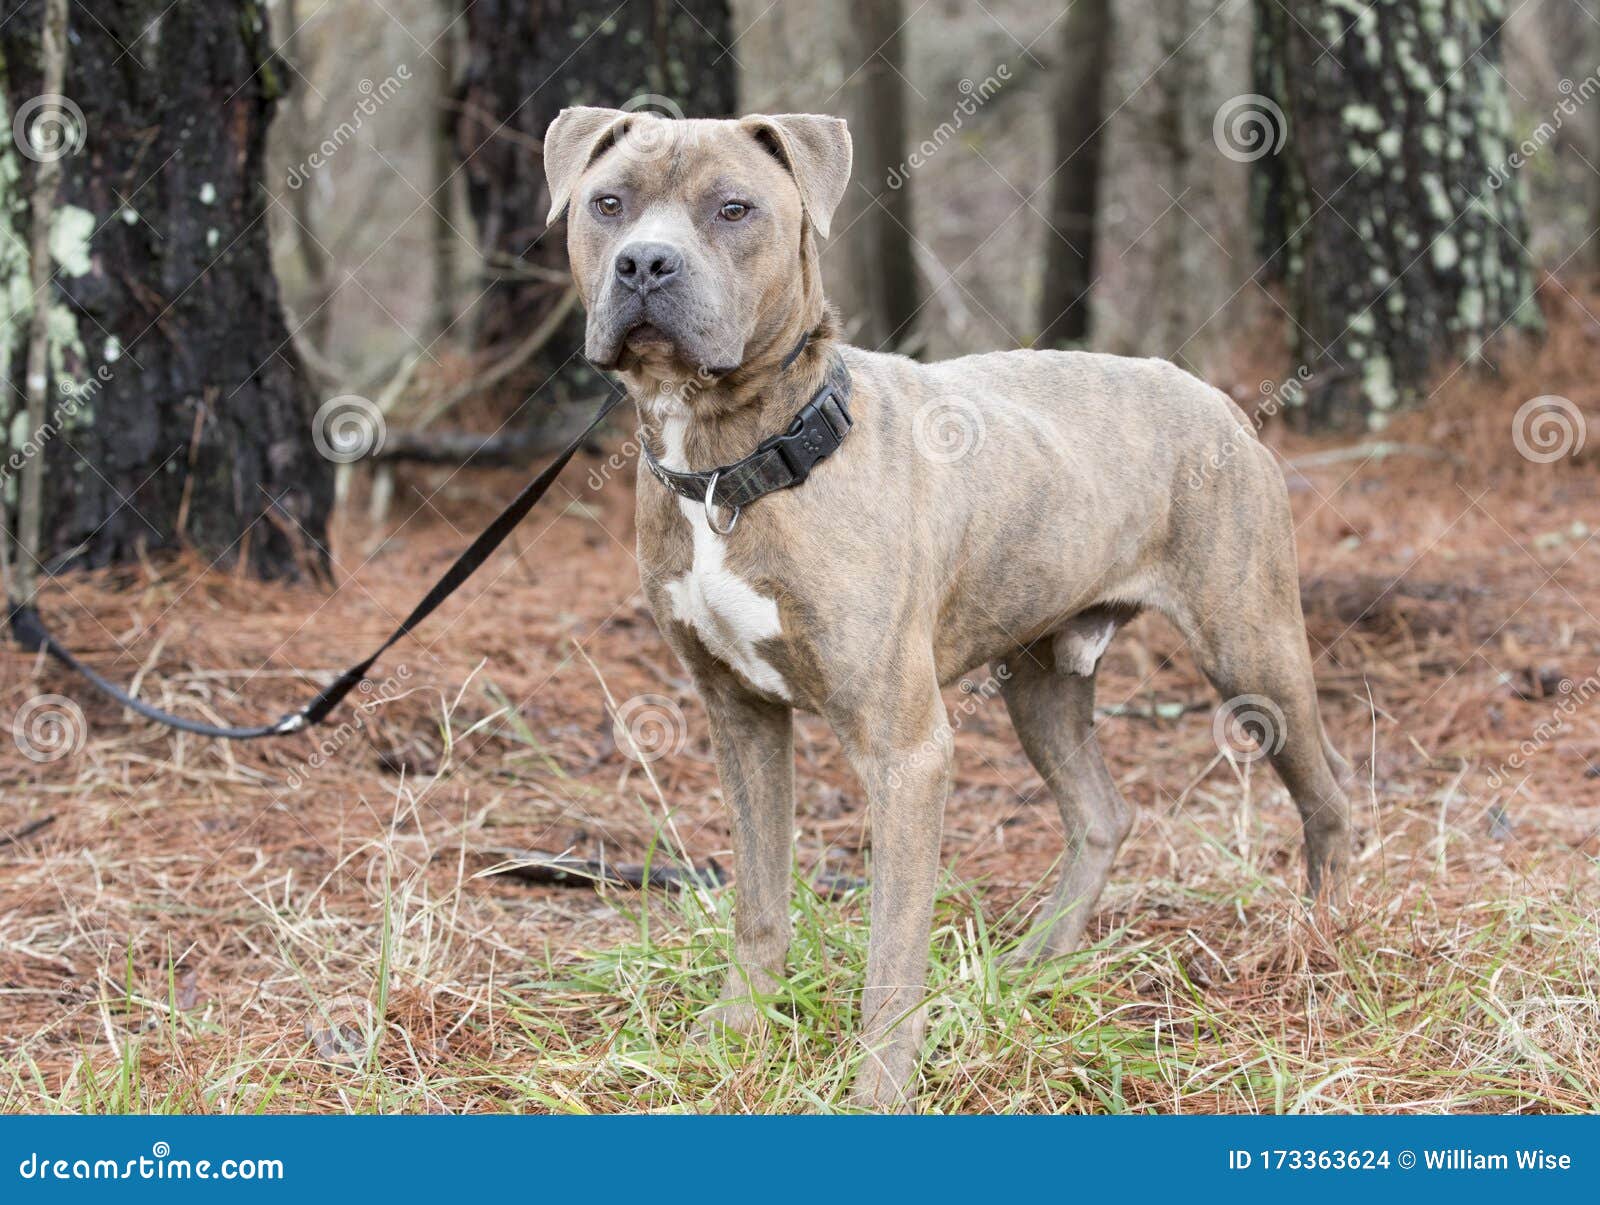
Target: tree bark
point(315, 324)
point(1173, 257)
point(1078, 117)
point(1406, 224)
point(1269, 226)
point(180, 411)
point(526, 61)
point(876, 218)
point(36, 389)
point(442, 165)
point(825, 57)
point(1551, 60)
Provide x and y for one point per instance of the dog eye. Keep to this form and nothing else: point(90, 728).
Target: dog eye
point(608, 206)
point(733, 211)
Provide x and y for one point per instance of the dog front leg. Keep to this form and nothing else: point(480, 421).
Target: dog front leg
point(905, 769)
point(754, 742)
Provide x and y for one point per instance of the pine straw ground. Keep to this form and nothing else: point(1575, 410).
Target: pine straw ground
point(193, 934)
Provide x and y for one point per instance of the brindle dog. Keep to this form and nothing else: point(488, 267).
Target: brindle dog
point(1010, 508)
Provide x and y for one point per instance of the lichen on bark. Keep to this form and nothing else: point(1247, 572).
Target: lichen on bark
point(1402, 252)
point(175, 389)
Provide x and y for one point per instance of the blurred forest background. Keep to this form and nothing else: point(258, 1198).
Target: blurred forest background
point(1325, 207)
point(278, 302)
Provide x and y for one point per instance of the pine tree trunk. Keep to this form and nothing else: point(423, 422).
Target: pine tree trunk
point(842, 57)
point(442, 166)
point(526, 61)
point(180, 412)
point(875, 220)
point(1173, 262)
point(1268, 186)
point(1406, 226)
point(1078, 118)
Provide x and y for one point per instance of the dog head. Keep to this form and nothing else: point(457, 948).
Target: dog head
point(691, 240)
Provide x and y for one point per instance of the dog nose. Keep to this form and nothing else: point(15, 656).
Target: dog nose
point(645, 266)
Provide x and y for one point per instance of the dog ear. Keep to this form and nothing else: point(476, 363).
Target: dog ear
point(572, 142)
point(816, 150)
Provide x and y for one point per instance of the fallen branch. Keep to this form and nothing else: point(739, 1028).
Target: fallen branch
point(1152, 711)
point(515, 359)
point(26, 831)
point(563, 870)
point(463, 447)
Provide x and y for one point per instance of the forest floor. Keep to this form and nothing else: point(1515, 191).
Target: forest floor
point(183, 928)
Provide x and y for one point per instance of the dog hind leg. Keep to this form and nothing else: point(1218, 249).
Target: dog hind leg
point(1266, 657)
point(1052, 709)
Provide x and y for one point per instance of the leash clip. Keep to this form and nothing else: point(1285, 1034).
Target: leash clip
point(733, 521)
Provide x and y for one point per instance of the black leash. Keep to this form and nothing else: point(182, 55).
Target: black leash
point(32, 635)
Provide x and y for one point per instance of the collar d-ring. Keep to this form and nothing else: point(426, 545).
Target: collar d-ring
point(711, 522)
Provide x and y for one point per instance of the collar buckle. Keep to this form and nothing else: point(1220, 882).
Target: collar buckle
point(779, 462)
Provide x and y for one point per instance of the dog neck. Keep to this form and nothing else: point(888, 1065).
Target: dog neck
point(699, 422)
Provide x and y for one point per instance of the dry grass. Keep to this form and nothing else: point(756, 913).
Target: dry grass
point(191, 934)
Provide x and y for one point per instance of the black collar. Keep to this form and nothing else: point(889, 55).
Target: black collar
point(779, 462)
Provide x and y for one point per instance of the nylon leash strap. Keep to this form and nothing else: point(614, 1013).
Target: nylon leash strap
point(28, 627)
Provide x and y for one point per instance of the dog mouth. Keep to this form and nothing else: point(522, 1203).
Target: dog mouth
point(646, 338)
point(652, 335)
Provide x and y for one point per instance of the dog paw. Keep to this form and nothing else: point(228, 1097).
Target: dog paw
point(1032, 953)
point(1024, 957)
point(738, 1019)
point(876, 1091)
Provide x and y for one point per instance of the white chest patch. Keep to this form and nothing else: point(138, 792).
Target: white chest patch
point(726, 612)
